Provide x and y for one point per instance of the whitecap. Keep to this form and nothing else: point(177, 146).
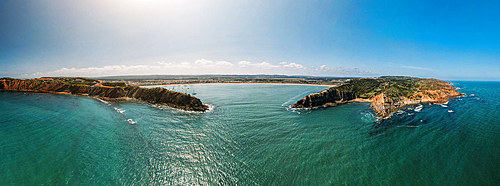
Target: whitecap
point(210, 108)
point(368, 117)
point(299, 110)
point(103, 101)
point(419, 108)
point(450, 111)
point(132, 121)
point(164, 107)
point(401, 112)
point(118, 110)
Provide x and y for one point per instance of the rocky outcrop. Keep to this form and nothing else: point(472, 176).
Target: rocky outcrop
point(426, 91)
point(384, 105)
point(329, 97)
point(156, 95)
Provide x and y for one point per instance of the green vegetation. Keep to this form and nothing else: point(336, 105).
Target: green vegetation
point(392, 86)
point(114, 84)
point(85, 83)
point(67, 80)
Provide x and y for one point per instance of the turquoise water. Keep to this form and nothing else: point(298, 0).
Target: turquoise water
point(250, 137)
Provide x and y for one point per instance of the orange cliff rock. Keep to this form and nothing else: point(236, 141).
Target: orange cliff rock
point(384, 106)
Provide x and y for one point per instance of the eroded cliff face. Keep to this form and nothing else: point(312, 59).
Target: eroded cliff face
point(325, 98)
point(382, 104)
point(156, 95)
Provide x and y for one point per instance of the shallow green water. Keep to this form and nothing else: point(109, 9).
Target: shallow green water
point(250, 137)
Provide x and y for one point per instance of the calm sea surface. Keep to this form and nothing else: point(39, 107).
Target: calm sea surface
point(250, 137)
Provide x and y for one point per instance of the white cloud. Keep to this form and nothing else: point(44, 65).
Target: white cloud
point(93, 71)
point(203, 62)
point(294, 66)
point(263, 65)
point(185, 64)
point(182, 65)
point(266, 65)
point(323, 67)
point(224, 63)
point(202, 66)
point(244, 63)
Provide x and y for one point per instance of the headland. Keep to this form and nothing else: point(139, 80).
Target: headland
point(105, 91)
point(386, 94)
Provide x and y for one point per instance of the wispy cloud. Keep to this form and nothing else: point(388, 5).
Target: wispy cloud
point(202, 66)
point(419, 68)
point(410, 67)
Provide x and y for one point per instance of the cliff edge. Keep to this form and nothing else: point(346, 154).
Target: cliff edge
point(386, 94)
point(156, 95)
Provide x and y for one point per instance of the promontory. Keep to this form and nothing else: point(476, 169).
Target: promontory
point(111, 93)
point(386, 94)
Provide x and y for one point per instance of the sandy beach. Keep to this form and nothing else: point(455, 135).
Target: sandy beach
point(149, 86)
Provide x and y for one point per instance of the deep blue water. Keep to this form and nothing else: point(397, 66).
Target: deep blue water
point(250, 137)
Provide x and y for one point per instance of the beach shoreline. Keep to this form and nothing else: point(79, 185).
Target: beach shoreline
point(150, 86)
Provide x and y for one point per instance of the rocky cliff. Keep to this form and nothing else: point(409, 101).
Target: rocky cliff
point(386, 94)
point(155, 95)
point(329, 97)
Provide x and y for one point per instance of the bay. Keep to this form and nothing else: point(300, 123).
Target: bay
point(250, 137)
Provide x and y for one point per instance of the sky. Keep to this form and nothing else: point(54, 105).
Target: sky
point(450, 40)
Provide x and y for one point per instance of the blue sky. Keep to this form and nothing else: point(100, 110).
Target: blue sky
point(451, 40)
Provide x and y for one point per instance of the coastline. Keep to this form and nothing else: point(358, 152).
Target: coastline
point(155, 96)
point(150, 86)
point(382, 103)
point(384, 112)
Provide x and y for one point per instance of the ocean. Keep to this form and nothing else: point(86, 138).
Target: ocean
point(250, 137)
